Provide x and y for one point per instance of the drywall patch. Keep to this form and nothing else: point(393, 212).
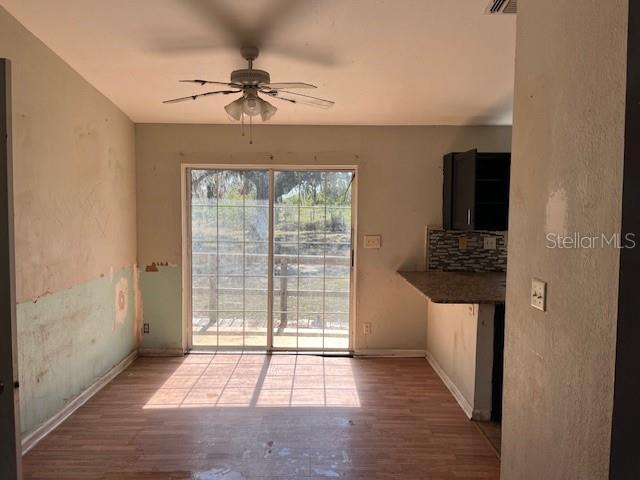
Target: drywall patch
point(122, 302)
point(556, 212)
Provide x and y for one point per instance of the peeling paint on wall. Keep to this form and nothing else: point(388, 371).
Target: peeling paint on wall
point(151, 268)
point(55, 367)
point(137, 324)
point(122, 303)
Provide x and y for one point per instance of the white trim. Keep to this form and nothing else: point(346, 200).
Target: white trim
point(353, 324)
point(29, 441)
point(464, 404)
point(161, 352)
point(270, 240)
point(370, 352)
point(185, 255)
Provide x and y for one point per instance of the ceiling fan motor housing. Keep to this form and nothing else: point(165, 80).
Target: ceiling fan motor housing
point(250, 76)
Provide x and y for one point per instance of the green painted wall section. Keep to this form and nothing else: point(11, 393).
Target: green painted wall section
point(54, 365)
point(162, 307)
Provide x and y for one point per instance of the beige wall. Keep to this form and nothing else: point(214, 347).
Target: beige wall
point(399, 193)
point(452, 332)
point(75, 231)
point(566, 177)
point(460, 348)
point(74, 173)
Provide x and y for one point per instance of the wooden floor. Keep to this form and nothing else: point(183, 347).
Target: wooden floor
point(233, 417)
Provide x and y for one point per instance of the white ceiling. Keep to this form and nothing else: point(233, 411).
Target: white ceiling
point(384, 62)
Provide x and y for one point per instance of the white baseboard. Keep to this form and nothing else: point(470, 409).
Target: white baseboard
point(464, 404)
point(29, 441)
point(161, 352)
point(369, 352)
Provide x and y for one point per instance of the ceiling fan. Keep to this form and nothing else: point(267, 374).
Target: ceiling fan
point(252, 83)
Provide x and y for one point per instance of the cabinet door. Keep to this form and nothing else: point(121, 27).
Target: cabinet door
point(447, 191)
point(464, 190)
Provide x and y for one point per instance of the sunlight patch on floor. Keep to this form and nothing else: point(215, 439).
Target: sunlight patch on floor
point(248, 380)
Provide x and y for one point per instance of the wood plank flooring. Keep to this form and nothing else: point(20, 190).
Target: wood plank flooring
point(239, 417)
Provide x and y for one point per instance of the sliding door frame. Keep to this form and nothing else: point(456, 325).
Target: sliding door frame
point(187, 321)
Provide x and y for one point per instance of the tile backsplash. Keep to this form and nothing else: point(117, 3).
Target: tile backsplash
point(444, 253)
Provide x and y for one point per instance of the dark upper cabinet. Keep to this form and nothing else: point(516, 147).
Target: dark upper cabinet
point(476, 191)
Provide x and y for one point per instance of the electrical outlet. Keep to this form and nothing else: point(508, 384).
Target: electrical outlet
point(538, 294)
point(367, 328)
point(372, 241)
point(462, 243)
point(489, 243)
point(145, 328)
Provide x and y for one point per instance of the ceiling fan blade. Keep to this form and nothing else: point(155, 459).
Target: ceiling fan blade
point(305, 53)
point(299, 98)
point(231, 30)
point(205, 82)
point(254, 29)
point(190, 46)
point(201, 46)
point(219, 17)
point(194, 97)
point(280, 86)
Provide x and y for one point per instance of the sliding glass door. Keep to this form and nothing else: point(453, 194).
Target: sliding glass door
point(271, 258)
point(229, 257)
point(311, 259)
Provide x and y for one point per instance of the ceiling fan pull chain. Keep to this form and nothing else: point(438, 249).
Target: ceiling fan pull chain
point(242, 124)
point(250, 130)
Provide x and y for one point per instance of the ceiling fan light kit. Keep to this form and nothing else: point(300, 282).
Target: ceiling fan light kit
point(250, 83)
point(251, 105)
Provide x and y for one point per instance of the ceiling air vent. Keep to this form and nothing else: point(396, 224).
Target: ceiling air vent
point(498, 7)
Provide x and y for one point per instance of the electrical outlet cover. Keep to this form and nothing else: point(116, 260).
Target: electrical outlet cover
point(372, 241)
point(538, 294)
point(489, 243)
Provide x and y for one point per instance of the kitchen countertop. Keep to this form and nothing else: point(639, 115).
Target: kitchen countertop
point(459, 287)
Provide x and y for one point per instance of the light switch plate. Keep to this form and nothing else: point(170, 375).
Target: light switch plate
point(372, 241)
point(489, 243)
point(462, 243)
point(538, 294)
